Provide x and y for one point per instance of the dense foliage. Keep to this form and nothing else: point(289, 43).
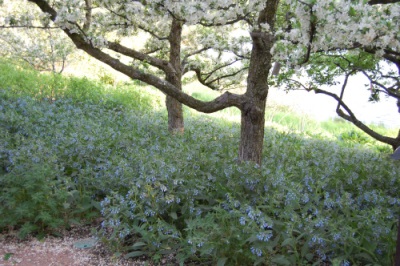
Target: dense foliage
point(70, 159)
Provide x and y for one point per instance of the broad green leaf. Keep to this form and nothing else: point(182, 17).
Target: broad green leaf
point(134, 254)
point(288, 241)
point(221, 261)
point(138, 245)
point(173, 215)
point(281, 260)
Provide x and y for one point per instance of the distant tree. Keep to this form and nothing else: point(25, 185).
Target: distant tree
point(199, 36)
point(45, 47)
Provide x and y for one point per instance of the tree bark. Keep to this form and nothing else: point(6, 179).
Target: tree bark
point(253, 111)
point(174, 107)
point(252, 132)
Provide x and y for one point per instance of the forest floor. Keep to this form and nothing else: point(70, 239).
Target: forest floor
point(60, 251)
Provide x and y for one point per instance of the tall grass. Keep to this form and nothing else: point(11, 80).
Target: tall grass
point(314, 201)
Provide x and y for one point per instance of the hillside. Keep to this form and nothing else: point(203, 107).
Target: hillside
point(74, 151)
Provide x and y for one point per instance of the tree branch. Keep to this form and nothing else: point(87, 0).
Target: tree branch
point(394, 142)
point(158, 63)
point(203, 77)
point(186, 57)
point(152, 33)
point(88, 15)
point(376, 2)
point(392, 91)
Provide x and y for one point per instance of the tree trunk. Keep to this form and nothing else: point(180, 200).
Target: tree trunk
point(174, 107)
point(253, 111)
point(175, 116)
point(252, 133)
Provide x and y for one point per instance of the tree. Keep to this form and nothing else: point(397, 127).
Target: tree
point(290, 35)
point(373, 50)
point(44, 48)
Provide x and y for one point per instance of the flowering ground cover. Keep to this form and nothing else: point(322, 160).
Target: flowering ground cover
point(72, 159)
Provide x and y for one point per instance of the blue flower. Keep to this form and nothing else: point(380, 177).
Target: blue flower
point(264, 236)
point(256, 251)
point(345, 263)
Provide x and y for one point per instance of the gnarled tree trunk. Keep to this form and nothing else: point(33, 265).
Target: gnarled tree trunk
point(174, 107)
point(253, 111)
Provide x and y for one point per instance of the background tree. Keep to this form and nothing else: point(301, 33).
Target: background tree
point(366, 41)
point(44, 47)
point(303, 28)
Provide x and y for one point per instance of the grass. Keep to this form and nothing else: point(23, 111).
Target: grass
point(91, 150)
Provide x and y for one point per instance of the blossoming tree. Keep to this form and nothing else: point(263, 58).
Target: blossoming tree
point(339, 39)
point(194, 36)
point(45, 48)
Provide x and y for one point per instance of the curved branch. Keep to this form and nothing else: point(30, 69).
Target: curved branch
point(392, 91)
point(158, 63)
point(312, 32)
point(394, 142)
point(186, 57)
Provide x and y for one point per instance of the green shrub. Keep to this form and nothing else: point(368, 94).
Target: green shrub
point(33, 199)
point(83, 89)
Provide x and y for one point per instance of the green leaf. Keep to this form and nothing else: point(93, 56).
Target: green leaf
point(221, 261)
point(352, 12)
point(134, 254)
point(365, 256)
point(138, 245)
point(288, 241)
point(281, 260)
point(173, 215)
point(252, 239)
point(259, 261)
point(304, 250)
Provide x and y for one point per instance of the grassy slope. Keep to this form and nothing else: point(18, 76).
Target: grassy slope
point(323, 199)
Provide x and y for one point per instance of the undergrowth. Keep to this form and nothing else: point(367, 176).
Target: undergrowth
point(100, 153)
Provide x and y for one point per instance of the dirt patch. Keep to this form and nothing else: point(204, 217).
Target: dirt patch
point(58, 251)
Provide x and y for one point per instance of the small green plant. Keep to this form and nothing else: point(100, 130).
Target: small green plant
point(107, 79)
point(33, 200)
point(354, 136)
point(7, 256)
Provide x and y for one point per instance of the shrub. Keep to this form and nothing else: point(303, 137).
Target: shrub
point(33, 199)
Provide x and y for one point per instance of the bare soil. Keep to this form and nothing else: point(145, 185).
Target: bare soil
point(60, 251)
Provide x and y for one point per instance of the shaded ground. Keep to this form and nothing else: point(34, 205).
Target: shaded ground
point(58, 251)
